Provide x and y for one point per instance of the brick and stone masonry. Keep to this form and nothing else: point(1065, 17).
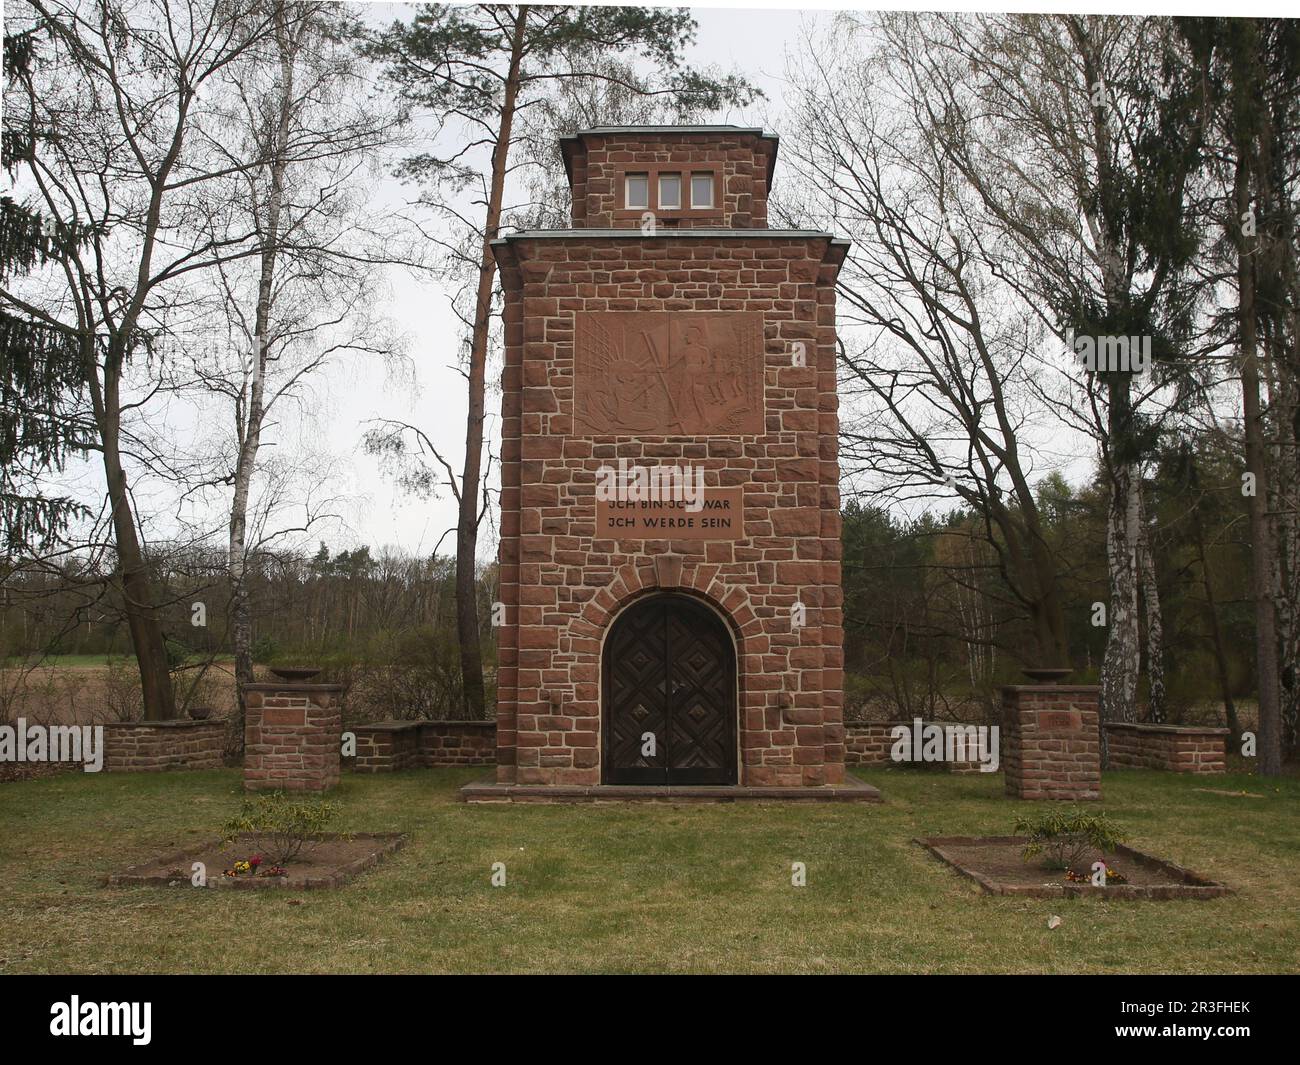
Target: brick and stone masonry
point(293, 736)
point(1051, 746)
point(562, 584)
point(742, 162)
point(152, 746)
point(869, 743)
point(387, 746)
point(1177, 748)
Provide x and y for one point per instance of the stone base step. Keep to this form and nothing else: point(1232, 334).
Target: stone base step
point(490, 791)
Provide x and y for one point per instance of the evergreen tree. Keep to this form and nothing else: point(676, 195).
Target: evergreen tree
point(40, 366)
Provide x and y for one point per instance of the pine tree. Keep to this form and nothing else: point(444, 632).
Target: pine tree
point(482, 64)
point(40, 367)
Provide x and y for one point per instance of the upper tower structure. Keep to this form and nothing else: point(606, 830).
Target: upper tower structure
point(710, 176)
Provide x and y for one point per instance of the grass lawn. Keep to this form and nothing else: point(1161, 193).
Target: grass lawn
point(639, 888)
point(101, 660)
point(70, 661)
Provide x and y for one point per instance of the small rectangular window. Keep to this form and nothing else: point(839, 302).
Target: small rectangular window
point(701, 190)
point(637, 191)
point(670, 192)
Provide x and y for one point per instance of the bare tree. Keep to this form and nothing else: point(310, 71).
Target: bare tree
point(113, 105)
point(295, 121)
point(1079, 149)
point(934, 344)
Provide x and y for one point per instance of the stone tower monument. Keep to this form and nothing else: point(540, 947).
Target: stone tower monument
point(670, 526)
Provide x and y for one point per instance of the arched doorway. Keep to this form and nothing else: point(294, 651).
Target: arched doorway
point(669, 695)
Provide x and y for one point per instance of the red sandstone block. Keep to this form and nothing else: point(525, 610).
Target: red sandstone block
point(537, 637)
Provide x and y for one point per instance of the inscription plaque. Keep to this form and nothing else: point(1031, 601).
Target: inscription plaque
point(720, 518)
point(1060, 720)
point(668, 373)
point(284, 715)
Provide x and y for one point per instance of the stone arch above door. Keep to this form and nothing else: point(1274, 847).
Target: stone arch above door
point(666, 573)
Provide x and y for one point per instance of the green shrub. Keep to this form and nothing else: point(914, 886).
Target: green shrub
point(282, 826)
point(178, 653)
point(265, 649)
point(1066, 837)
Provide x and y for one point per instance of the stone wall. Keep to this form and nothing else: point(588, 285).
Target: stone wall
point(449, 743)
point(292, 736)
point(1175, 748)
point(387, 746)
point(562, 585)
point(868, 743)
point(152, 746)
point(1051, 746)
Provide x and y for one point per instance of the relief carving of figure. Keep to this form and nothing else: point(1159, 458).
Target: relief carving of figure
point(666, 373)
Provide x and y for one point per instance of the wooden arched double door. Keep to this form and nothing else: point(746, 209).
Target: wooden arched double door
point(669, 695)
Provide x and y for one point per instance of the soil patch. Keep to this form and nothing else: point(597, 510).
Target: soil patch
point(332, 862)
point(996, 864)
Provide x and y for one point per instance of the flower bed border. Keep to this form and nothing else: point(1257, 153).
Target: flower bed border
point(134, 877)
point(1192, 885)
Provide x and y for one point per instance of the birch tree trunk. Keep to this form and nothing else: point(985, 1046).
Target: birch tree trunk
point(248, 422)
point(1122, 661)
point(1155, 628)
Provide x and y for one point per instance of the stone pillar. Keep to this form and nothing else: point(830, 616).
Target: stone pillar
point(1051, 745)
point(293, 736)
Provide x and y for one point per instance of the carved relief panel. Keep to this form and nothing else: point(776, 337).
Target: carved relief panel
point(668, 373)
